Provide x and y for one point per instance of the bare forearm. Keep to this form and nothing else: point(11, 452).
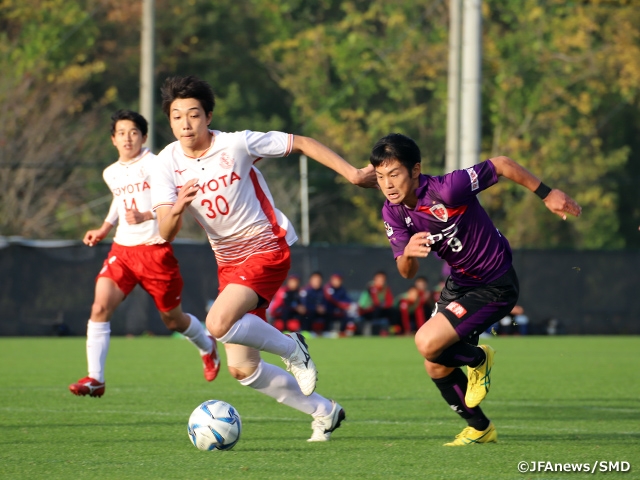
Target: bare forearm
point(407, 266)
point(324, 155)
point(555, 200)
point(169, 223)
point(105, 229)
point(505, 167)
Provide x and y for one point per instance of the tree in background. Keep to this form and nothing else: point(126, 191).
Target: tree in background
point(560, 94)
point(561, 82)
point(45, 131)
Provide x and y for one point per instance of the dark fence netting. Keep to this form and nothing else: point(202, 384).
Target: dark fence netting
point(46, 287)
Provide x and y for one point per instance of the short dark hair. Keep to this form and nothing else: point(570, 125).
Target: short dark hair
point(187, 87)
point(395, 146)
point(135, 117)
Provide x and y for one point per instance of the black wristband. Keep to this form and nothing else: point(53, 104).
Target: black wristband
point(542, 191)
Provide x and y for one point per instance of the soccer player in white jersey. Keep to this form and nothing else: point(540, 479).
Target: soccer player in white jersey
point(212, 174)
point(139, 255)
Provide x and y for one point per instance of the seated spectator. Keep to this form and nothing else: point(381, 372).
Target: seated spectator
point(339, 305)
point(411, 310)
point(286, 308)
point(516, 323)
point(427, 297)
point(312, 297)
point(376, 302)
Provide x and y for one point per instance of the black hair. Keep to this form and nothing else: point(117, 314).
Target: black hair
point(187, 87)
point(135, 117)
point(316, 273)
point(395, 146)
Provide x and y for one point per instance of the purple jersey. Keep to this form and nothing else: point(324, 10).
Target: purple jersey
point(464, 235)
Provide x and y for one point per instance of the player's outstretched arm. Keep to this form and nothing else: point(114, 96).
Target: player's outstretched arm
point(170, 218)
point(555, 200)
point(363, 177)
point(92, 237)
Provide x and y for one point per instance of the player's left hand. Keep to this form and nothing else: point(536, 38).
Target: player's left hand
point(560, 203)
point(134, 216)
point(366, 177)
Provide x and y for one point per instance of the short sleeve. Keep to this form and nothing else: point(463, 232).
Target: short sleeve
point(270, 144)
point(112, 216)
point(396, 230)
point(459, 186)
point(164, 191)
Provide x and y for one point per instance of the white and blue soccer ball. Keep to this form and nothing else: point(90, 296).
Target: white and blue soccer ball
point(214, 425)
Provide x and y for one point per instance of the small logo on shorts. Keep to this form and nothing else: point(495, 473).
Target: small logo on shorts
point(457, 309)
point(112, 259)
point(243, 277)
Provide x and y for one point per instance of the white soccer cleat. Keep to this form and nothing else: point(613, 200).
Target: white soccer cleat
point(323, 426)
point(301, 365)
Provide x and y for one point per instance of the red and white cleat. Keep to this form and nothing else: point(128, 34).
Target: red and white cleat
point(87, 386)
point(211, 362)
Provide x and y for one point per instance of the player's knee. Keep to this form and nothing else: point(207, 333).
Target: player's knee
point(435, 370)
point(216, 326)
point(175, 323)
point(243, 372)
point(170, 323)
point(237, 373)
point(99, 312)
point(426, 345)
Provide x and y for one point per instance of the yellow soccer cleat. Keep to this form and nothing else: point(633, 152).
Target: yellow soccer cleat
point(479, 379)
point(470, 435)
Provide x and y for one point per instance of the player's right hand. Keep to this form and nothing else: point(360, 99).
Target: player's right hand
point(92, 237)
point(187, 194)
point(419, 245)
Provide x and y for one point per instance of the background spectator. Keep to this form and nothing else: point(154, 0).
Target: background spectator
point(377, 300)
point(312, 297)
point(411, 311)
point(287, 309)
point(426, 297)
point(340, 307)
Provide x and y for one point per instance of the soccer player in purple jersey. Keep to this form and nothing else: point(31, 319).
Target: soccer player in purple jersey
point(424, 213)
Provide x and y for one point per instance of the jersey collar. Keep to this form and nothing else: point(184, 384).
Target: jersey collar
point(143, 152)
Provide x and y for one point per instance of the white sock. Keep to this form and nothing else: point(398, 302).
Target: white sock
point(252, 331)
point(197, 335)
point(98, 336)
point(276, 383)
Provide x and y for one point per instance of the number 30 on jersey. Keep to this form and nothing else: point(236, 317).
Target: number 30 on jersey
point(219, 206)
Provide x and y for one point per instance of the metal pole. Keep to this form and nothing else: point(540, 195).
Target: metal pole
point(453, 90)
point(471, 76)
point(304, 200)
point(146, 67)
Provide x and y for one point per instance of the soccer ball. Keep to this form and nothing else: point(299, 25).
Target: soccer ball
point(214, 425)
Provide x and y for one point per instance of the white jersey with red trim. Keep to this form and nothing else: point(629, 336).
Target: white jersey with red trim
point(234, 205)
point(130, 184)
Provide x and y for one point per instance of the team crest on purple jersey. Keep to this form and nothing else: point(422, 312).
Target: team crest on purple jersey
point(440, 212)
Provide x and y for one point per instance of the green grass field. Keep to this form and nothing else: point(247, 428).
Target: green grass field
point(558, 399)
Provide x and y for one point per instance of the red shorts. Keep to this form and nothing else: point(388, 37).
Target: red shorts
point(154, 267)
point(264, 274)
